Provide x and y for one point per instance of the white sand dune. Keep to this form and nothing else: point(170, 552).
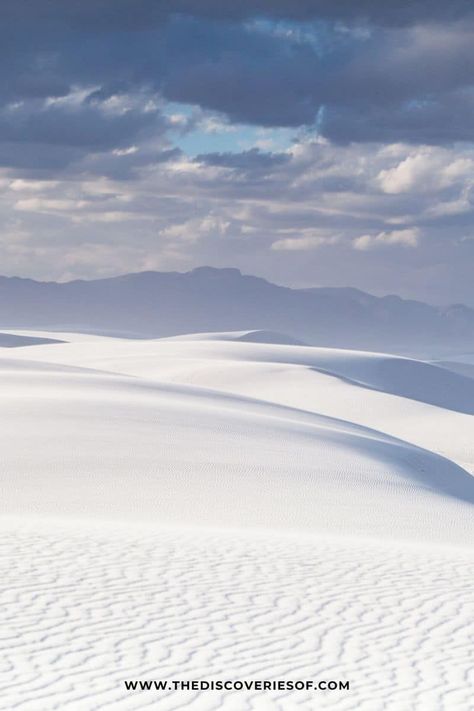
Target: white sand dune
point(253, 336)
point(411, 400)
point(290, 512)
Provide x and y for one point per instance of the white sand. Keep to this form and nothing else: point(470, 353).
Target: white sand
point(221, 507)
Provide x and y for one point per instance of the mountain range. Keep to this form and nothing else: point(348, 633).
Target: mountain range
point(206, 299)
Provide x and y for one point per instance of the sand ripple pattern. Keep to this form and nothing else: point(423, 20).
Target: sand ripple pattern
point(82, 611)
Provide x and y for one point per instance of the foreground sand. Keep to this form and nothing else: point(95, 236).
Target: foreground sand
point(216, 508)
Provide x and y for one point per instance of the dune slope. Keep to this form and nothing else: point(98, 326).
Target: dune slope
point(223, 507)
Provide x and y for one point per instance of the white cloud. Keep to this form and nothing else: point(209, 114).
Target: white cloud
point(193, 230)
point(21, 185)
point(49, 205)
point(215, 124)
point(179, 120)
point(292, 244)
point(125, 151)
point(111, 216)
point(302, 216)
point(405, 238)
point(425, 169)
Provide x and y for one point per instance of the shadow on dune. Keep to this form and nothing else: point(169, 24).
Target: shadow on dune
point(465, 369)
point(416, 380)
point(12, 340)
point(428, 469)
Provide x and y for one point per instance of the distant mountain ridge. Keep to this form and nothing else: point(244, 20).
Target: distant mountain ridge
point(157, 304)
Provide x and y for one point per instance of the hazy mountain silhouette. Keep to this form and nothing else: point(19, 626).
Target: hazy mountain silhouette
point(156, 304)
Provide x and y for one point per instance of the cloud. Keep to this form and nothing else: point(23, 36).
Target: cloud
point(312, 141)
point(44, 205)
point(390, 12)
point(405, 238)
point(424, 170)
point(307, 242)
point(406, 76)
point(194, 230)
point(56, 135)
point(288, 221)
point(140, 14)
point(252, 160)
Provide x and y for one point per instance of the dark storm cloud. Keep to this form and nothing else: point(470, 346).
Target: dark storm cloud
point(39, 158)
point(382, 12)
point(442, 120)
point(396, 85)
point(125, 14)
point(53, 137)
point(83, 127)
point(358, 87)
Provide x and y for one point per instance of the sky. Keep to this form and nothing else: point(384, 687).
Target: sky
point(314, 143)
